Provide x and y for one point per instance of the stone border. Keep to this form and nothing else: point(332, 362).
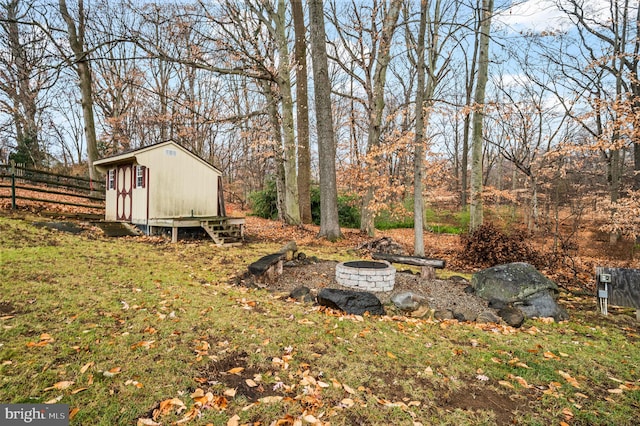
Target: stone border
point(368, 279)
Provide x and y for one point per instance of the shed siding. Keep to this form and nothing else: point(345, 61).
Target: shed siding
point(110, 203)
point(139, 196)
point(179, 185)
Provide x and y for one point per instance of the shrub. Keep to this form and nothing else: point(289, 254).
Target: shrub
point(264, 203)
point(384, 222)
point(348, 211)
point(489, 246)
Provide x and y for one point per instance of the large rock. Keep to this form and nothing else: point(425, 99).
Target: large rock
point(543, 304)
point(488, 317)
point(511, 282)
point(522, 286)
point(351, 302)
point(512, 316)
point(408, 301)
point(302, 294)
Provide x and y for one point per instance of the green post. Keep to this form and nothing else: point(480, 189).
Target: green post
point(13, 185)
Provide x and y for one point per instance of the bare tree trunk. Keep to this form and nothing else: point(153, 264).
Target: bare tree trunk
point(329, 224)
point(302, 100)
point(418, 148)
point(377, 106)
point(274, 118)
point(291, 207)
point(478, 116)
point(469, 84)
point(83, 69)
point(19, 86)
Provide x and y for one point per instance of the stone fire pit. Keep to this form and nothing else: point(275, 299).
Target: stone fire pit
point(366, 275)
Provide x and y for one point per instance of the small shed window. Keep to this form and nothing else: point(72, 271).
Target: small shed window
point(140, 178)
point(111, 179)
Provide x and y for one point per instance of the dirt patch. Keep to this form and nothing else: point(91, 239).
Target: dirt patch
point(233, 372)
point(441, 294)
point(479, 398)
point(69, 227)
point(6, 308)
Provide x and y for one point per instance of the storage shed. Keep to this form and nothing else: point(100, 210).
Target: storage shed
point(167, 186)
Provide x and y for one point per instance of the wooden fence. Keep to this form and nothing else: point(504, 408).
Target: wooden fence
point(20, 183)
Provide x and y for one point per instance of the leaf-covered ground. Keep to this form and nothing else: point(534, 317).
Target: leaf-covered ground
point(139, 331)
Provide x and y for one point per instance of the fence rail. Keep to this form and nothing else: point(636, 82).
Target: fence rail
point(22, 183)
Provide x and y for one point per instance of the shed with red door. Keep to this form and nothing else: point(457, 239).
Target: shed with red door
point(166, 186)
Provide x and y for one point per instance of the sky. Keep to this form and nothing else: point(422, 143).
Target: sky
point(543, 15)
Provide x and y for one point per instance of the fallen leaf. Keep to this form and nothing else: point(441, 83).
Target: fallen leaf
point(147, 344)
point(309, 418)
point(392, 356)
point(270, 399)
point(112, 372)
point(550, 355)
point(73, 413)
point(188, 416)
point(347, 402)
point(75, 391)
point(618, 390)
point(61, 385)
point(197, 393)
point(523, 382)
point(348, 389)
point(147, 422)
point(204, 400)
point(230, 392)
point(54, 400)
point(220, 403)
point(573, 382)
point(86, 367)
point(234, 421)
point(581, 395)
point(506, 384)
point(236, 370)
point(167, 406)
point(251, 383)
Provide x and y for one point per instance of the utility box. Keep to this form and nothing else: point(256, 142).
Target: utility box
point(618, 287)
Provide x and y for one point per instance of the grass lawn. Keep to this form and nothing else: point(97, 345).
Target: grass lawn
point(135, 331)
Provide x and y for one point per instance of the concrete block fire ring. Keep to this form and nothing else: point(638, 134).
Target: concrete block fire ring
point(366, 275)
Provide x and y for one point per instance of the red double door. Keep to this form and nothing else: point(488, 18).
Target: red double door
point(124, 187)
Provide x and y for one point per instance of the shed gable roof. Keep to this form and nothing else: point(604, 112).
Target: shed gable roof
point(104, 163)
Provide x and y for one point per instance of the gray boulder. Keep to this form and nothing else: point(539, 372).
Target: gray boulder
point(488, 317)
point(351, 302)
point(443, 314)
point(522, 286)
point(543, 304)
point(512, 316)
point(408, 301)
point(464, 315)
point(302, 294)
